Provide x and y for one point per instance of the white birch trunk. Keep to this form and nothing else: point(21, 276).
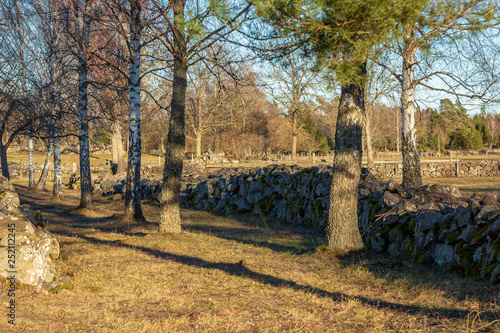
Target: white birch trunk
point(31, 172)
point(85, 174)
point(411, 157)
point(46, 166)
point(57, 192)
point(133, 209)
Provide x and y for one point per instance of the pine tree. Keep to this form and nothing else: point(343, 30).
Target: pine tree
point(340, 34)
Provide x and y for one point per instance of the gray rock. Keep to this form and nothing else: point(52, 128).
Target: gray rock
point(443, 254)
point(426, 220)
point(390, 199)
point(378, 243)
point(487, 209)
point(392, 185)
point(494, 229)
point(495, 275)
point(463, 217)
point(394, 250)
point(467, 232)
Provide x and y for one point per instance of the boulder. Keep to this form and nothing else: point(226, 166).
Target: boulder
point(26, 248)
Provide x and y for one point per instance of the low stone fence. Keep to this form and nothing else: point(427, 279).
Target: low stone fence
point(431, 224)
point(454, 168)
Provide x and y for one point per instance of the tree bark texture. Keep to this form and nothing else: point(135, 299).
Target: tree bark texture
point(31, 171)
point(369, 142)
point(46, 166)
point(133, 208)
point(118, 145)
point(294, 136)
point(198, 144)
point(343, 230)
point(85, 174)
point(412, 175)
point(3, 161)
point(57, 192)
point(170, 220)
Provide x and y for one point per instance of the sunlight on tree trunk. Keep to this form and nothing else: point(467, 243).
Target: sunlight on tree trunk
point(343, 230)
point(40, 186)
point(31, 172)
point(412, 175)
point(57, 192)
point(133, 208)
point(85, 174)
point(170, 219)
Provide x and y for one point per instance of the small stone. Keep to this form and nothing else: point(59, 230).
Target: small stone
point(489, 199)
point(117, 197)
point(443, 254)
point(392, 185)
point(394, 250)
point(390, 199)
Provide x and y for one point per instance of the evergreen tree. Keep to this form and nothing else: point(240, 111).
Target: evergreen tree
point(341, 35)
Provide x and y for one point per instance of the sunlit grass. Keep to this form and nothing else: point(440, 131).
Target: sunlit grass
point(236, 274)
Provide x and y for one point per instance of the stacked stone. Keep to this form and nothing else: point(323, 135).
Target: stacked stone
point(442, 169)
point(430, 224)
point(35, 248)
point(433, 224)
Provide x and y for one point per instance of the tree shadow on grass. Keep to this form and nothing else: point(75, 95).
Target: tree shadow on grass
point(276, 236)
point(237, 269)
point(259, 231)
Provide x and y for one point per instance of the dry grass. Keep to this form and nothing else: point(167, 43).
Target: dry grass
point(235, 274)
point(95, 159)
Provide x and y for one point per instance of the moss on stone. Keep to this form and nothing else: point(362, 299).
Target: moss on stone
point(443, 228)
point(452, 238)
point(409, 249)
point(495, 248)
point(412, 224)
point(479, 235)
point(420, 257)
point(487, 270)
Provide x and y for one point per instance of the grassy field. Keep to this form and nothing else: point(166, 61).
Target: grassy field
point(234, 274)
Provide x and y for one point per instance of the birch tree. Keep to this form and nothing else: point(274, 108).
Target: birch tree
point(422, 45)
point(78, 27)
point(133, 207)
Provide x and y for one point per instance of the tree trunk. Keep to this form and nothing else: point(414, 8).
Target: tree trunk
point(412, 175)
point(31, 172)
point(294, 137)
point(85, 174)
point(57, 192)
point(170, 219)
point(46, 166)
point(3, 161)
point(114, 147)
point(120, 160)
point(369, 142)
point(198, 144)
point(343, 230)
point(133, 208)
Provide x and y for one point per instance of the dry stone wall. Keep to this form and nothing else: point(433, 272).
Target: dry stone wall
point(431, 224)
point(442, 169)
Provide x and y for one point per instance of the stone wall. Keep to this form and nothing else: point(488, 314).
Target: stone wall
point(431, 224)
